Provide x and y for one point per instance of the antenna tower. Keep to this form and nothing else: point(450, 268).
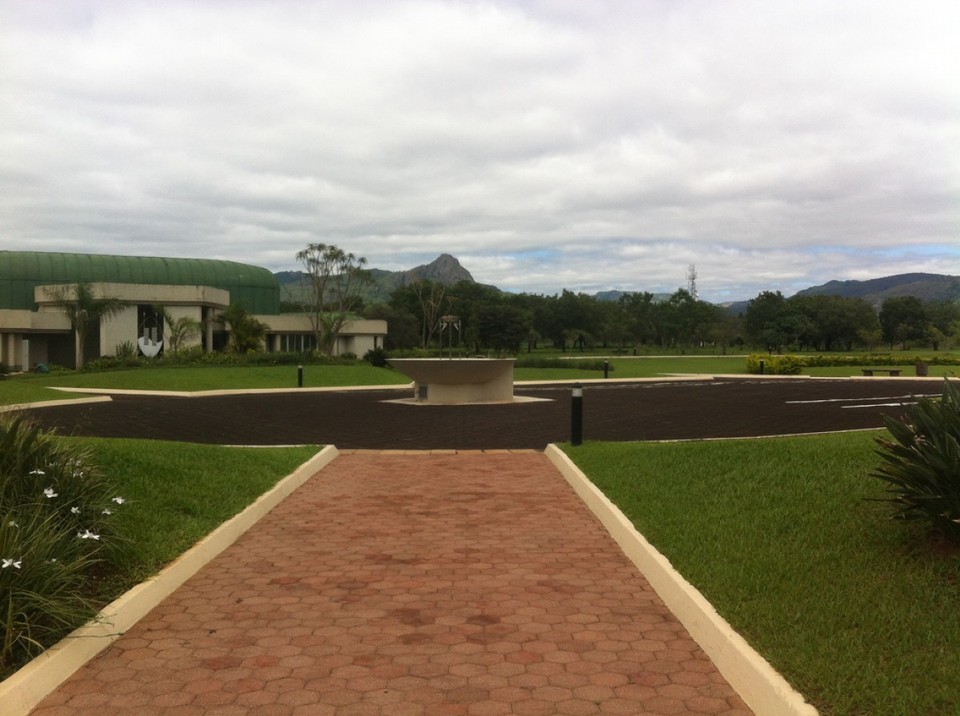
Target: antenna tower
point(692, 282)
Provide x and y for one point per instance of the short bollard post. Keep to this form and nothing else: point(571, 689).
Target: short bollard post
point(299, 376)
point(761, 366)
point(606, 369)
point(576, 415)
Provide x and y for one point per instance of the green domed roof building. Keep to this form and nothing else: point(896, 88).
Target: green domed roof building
point(35, 329)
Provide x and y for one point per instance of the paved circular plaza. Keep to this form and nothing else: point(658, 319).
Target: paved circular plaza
point(372, 419)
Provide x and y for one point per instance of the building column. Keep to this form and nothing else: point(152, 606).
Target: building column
point(208, 338)
point(10, 357)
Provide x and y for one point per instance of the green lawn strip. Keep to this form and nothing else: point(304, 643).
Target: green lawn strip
point(858, 612)
point(15, 391)
point(176, 493)
point(193, 379)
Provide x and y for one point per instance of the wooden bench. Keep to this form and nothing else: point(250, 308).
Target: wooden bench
point(888, 371)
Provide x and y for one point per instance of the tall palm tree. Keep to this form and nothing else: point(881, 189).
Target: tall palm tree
point(85, 310)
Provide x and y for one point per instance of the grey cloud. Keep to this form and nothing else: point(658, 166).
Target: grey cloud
point(554, 144)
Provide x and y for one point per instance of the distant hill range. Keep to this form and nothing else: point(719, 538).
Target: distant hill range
point(925, 286)
point(447, 270)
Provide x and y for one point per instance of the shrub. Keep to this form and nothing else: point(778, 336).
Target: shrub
point(776, 365)
point(921, 464)
point(55, 527)
point(376, 357)
point(127, 349)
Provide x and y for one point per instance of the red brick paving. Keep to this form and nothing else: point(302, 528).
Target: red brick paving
point(465, 583)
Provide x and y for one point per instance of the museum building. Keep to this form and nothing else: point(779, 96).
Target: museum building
point(35, 329)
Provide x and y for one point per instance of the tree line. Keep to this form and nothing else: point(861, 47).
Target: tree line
point(496, 322)
point(491, 321)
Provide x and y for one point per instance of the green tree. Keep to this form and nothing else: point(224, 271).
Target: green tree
point(834, 322)
point(770, 322)
point(944, 322)
point(333, 281)
point(466, 300)
point(246, 332)
point(404, 326)
point(85, 310)
point(902, 319)
point(638, 312)
point(500, 327)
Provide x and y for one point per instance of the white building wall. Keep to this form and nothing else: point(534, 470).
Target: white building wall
point(118, 329)
point(194, 312)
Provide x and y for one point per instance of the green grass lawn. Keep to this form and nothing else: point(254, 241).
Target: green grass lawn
point(227, 377)
point(14, 391)
point(176, 493)
point(860, 613)
point(36, 388)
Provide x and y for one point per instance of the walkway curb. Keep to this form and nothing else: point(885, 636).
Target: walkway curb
point(26, 688)
point(762, 688)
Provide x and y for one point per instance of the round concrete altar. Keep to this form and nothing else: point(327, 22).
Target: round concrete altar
point(458, 380)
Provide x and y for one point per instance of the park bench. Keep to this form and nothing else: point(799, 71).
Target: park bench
point(888, 371)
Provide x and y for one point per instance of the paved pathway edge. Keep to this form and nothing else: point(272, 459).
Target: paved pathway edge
point(26, 688)
point(763, 689)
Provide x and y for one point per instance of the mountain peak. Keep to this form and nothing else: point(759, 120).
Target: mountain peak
point(445, 269)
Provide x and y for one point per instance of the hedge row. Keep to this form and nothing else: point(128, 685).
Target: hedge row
point(794, 364)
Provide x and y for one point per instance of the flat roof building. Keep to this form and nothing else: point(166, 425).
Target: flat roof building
point(35, 328)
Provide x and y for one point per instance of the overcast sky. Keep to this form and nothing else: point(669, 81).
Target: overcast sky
point(547, 144)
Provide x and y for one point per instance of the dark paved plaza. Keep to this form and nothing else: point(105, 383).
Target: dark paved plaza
point(370, 419)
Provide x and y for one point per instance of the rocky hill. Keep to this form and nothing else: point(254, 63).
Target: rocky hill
point(445, 269)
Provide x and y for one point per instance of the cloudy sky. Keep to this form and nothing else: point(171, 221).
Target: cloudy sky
point(547, 144)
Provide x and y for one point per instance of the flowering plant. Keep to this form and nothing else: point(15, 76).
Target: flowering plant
point(55, 526)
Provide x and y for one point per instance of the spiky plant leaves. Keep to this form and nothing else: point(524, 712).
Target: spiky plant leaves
point(55, 527)
point(921, 463)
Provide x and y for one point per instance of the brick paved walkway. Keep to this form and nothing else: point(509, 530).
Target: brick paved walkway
point(417, 583)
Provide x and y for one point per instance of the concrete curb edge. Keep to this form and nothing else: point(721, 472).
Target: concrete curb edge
point(758, 683)
point(25, 689)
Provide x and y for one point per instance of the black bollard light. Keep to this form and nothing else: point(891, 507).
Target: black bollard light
point(761, 366)
point(606, 368)
point(576, 415)
point(299, 376)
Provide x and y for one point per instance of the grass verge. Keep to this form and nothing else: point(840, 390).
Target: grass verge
point(14, 391)
point(862, 615)
point(176, 493)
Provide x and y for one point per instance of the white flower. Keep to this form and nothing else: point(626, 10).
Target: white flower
point(15, 563)
point(38, 471)
point(119, 500)
point(75, 510)
point(12, 523)
point(87, 534)
point(49, 492)
point(106, 511)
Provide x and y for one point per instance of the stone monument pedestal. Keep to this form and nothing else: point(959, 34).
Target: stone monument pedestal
point(449, 381)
